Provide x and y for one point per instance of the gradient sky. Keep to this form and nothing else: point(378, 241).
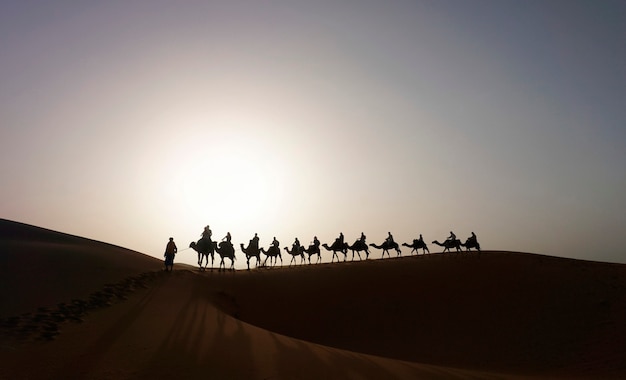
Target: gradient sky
point(133, 121)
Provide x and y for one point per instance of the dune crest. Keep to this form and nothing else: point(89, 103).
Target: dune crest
point(497, 315)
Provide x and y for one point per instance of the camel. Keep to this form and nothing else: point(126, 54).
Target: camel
point(450, 244)
point(251, 252)
point(204, 247)
point(312, 250)
point(337, 247)
point(471, 243)
point(272, 252)
point(224, 249)
point(416, 245)
point(294, 254)
point(358, 246)
point(386, 246)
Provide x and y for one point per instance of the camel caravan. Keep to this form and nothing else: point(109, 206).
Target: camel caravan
point(300, 254)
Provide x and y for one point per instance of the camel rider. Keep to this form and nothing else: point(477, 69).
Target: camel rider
point(452, 237)
point(389, 239)
point(472, 238)
point(362, 239)
point(227, 238)
point(254, 242)
point(316, 243)
point(206, 234)
point(421, 239)
point(339, 240)
point(275, 243)
point(296, 246)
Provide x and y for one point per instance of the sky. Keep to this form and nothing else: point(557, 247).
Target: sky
point(132, 121)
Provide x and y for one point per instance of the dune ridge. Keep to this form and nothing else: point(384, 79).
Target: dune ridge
point(495, 315)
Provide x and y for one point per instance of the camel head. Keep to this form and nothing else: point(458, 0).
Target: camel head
point(192, 245)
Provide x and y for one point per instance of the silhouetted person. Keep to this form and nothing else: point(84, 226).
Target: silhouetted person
point(207, 233)
point(389, 239)
point(339, 240)
point(473, 238)
point(254, 242)
point(362, 239)
point(275, 243)
point(296, 246)
point(452, 237)
point(421, 239)
point(316, 242)
point(227, 238)
point(170, 252)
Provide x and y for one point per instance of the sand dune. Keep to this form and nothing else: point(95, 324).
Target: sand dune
point(497, 315)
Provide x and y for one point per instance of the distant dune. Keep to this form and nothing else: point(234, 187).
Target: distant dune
point(77, 308)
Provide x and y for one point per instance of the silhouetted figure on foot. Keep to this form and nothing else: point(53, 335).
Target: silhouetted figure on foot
point(170, 253)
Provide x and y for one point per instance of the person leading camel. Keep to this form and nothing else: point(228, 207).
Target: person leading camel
point(170, 252)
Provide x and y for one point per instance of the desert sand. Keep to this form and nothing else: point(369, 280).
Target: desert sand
point(77, 308)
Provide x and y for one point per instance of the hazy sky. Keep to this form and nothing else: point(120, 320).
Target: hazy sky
point(133, 121)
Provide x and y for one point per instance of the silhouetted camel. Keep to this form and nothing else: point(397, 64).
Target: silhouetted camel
point(312, 250)
point(359, 246)
point(294, 254)
point(450, 244)
point(272, 253)
point(416, 245)
point(251, 252)
point(204, 247)
point(471, 243)
point(337, 247)
point(224, 249)
point(386, 246)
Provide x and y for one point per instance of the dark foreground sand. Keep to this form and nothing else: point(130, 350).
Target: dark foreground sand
point(98, 311)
